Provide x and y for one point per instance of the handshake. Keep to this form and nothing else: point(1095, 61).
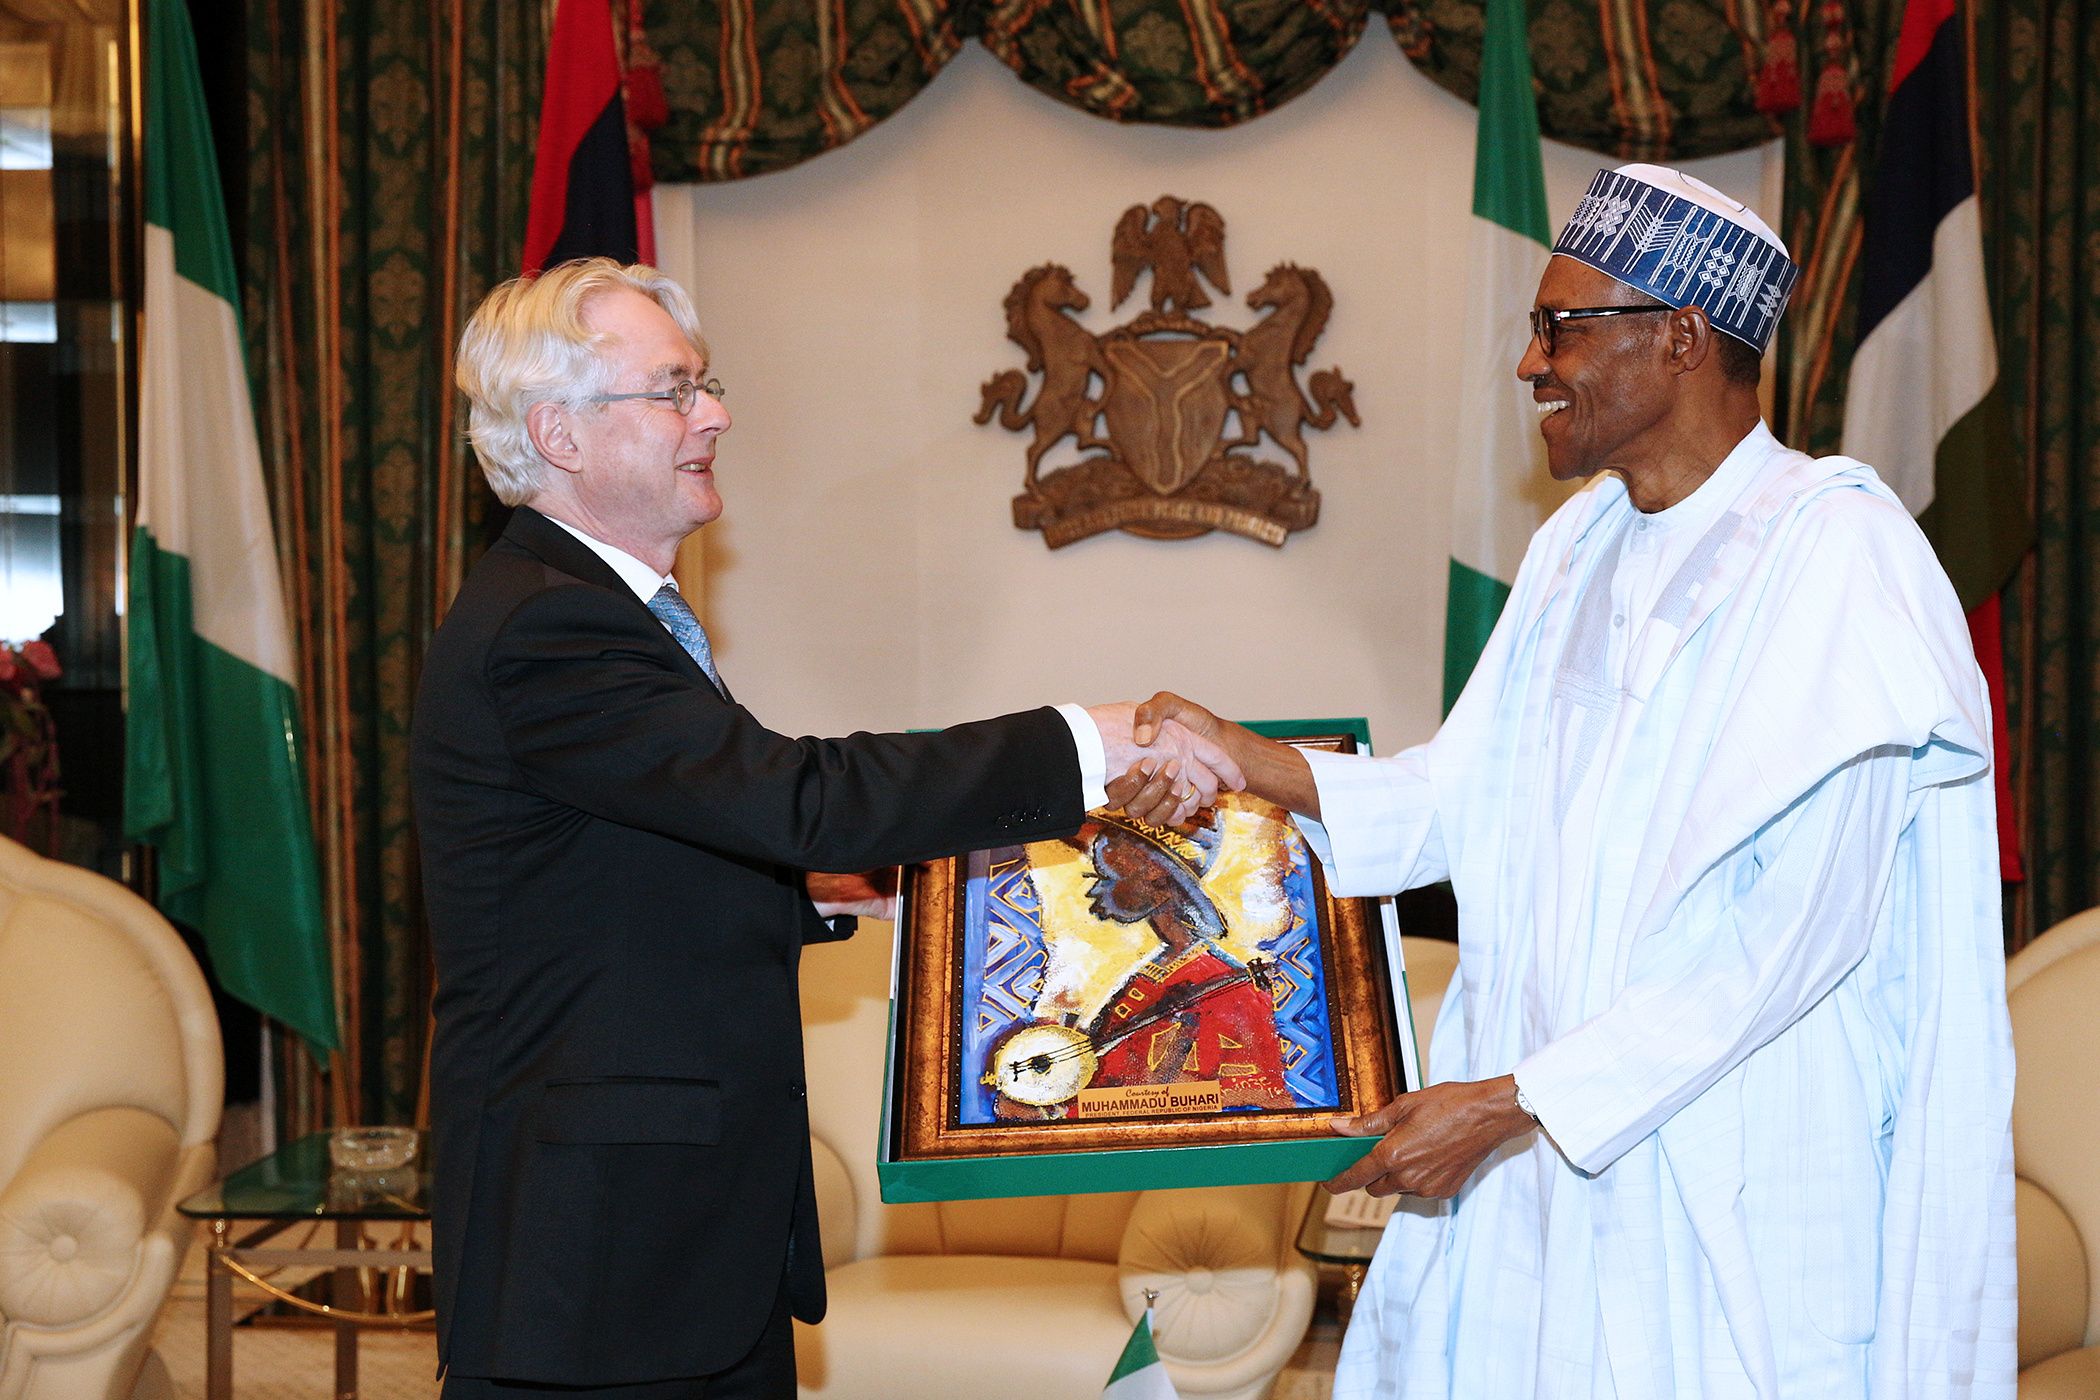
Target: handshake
point(1167, 757)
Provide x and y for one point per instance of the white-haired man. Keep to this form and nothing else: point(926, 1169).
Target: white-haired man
point(1722, 1088)
point(615, 859)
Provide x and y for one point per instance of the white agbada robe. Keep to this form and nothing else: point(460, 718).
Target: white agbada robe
point(1717, 808)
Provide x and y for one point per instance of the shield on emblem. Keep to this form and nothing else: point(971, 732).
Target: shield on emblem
point(1166, 406)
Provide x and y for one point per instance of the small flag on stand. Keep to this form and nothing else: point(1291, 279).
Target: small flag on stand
point(1139, 1373)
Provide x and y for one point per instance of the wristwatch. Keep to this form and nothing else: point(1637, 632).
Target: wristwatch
point(1524, 1102)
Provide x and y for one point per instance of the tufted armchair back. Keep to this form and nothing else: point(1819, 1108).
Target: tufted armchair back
point(2052, 989)
point(111, 1085)
point(101, 1006)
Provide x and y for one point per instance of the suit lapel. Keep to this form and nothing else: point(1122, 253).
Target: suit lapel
point(558, 549)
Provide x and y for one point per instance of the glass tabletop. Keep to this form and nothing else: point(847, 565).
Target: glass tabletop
point(1327, 1243)
point(299, 1182)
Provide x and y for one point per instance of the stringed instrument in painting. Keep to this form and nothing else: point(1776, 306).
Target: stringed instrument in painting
point(1048, 1063)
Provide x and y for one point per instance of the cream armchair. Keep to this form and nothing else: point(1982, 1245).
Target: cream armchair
point(2053, 986)
point(111, 1083)
point(1030, 1296)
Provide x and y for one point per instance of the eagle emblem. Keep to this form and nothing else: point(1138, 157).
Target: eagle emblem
point(1165, 407)
point(1175, 241)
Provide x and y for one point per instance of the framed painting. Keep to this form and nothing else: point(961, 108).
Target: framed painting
point(1134, 1006)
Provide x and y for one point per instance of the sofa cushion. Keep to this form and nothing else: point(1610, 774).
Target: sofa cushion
point(962, 1326)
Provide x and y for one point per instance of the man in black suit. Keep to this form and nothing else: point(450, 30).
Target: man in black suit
point(615, 858)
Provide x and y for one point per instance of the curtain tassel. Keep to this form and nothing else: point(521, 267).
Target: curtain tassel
point(642, 88)
point(647, 106)
point(1831, 121)
point(1779, 81)
point(1779, 78)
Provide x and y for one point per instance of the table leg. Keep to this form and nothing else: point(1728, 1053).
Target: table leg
point(218, 1317)
point(346, 1296)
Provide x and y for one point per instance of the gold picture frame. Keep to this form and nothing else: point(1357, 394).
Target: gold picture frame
point(991, 1033)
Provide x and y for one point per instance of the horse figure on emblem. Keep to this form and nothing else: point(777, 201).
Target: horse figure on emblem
point(1039, 320)
point(1269, 353)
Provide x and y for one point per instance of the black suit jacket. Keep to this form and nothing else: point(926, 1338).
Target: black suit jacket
point(612, 860)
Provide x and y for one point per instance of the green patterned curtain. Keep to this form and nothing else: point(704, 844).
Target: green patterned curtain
point(1204, 63)
point(390, 160)
point(2039, 69)
point(759, 85)
point(1635, 79)
point(755, 87)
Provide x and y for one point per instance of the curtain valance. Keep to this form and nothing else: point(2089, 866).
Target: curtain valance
point(759, 85)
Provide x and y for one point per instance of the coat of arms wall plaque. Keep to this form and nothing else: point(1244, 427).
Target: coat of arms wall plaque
point(1171, 408)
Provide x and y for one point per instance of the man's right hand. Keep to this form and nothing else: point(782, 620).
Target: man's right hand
point(1273, 771)
point(1177, 771)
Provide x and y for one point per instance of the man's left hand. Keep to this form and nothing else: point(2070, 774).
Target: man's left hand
point(1435, 1138)
point(870, 894)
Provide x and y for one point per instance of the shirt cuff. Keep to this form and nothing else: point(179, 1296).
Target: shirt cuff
point(1552, 1080)
point(1378, 831)
point(1093, 758)
point(1316, 838)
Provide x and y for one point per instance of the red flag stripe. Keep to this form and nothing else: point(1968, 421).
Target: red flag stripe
point(1921, 21)
point(583, 78)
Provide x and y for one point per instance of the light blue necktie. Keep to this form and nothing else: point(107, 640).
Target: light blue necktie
point(673, 612)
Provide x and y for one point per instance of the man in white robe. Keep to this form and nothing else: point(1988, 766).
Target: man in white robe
point(1720, 1093)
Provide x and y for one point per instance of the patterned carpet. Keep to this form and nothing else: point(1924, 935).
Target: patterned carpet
point(275, 1361)
point(282, 1362)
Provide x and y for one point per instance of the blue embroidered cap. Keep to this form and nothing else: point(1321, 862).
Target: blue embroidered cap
point(1682, 241)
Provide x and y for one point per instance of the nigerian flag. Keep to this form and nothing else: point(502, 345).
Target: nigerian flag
point(1139, 1373)
point(212, 776)
point(1503, 493)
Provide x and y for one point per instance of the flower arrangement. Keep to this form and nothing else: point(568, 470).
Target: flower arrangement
point(28, 742)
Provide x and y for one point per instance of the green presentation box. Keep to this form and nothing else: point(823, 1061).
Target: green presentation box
point(929, 1152)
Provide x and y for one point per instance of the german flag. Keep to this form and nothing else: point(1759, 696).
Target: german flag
point(585, 200)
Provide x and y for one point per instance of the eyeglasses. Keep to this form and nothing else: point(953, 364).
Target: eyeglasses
point(681, 396)
point(1545, 320)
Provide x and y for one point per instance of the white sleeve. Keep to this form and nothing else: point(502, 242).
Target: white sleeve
point(1378, 831)
point(1806, 920)
point(1093, 757)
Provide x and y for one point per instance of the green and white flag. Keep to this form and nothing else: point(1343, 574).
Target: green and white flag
point(212, 777)
point(1139, 1373)
point(1503, 493)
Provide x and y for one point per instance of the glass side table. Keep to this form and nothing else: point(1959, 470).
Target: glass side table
point(1348, 1247)
point(373, 1260)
